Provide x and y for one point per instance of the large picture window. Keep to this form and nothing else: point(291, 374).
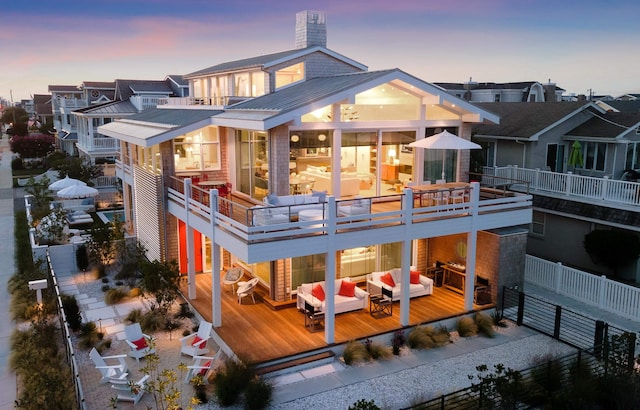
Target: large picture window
point(198, 151)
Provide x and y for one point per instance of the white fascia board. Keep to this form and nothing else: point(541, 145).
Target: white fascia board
point(307, 51)
point(536, 136)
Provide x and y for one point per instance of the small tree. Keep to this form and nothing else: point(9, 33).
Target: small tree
point(52, 227)
point(41, 197)
point(33, 146)
point(102, 242)
point(161, 279)
point(612, 248)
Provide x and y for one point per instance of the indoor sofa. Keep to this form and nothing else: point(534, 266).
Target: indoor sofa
point(420, 285)
point(343, 301)
point(349, 181)
point(281, 209)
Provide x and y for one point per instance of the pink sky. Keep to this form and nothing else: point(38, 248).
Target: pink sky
point(582, 46)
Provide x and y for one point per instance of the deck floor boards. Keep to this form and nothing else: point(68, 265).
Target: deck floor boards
point(257, 333)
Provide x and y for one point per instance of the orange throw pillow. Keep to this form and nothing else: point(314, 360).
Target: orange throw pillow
point(196, 340)
point(414, 278)
point(347, 289)
point(318, 292)
point(140, 343)
point(206, 366)
point(387, 279)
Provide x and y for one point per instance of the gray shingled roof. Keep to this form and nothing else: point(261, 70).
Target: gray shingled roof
point(265, 60)
point(109, 108)
point(524, 119)
point(173, 117)
point(609, 125)
point(597, 211)
point(245, 63)
point(65, 88)
point(522, 85)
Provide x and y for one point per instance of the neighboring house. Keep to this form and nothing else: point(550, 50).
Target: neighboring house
point(128, 97)
point(262, 126)
point(524, 91)
point(629, 97)
point(43, 110)
point(535, 141)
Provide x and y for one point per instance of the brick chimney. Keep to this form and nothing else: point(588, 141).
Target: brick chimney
point(550, 92)
point(311, 29)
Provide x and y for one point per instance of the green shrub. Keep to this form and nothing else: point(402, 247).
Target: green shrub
point(230, 382)
point(152, 321)
point(484, 324)
point(427, 337)
point(134, 316)
point(17, 164)
point(258, 395)
point(498, 320)
point(466, 327)
point(355, 352)
point(72, 311)
point(115, 295)
point(377, 351)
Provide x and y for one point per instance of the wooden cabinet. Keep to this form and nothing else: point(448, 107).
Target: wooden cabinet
point(390, 172)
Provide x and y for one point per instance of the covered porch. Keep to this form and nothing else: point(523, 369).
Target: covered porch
point(259, 332)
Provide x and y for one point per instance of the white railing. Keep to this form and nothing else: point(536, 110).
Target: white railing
point(106, 182)
point(609, 295)
point(145, 102)
point(624, 192)
point(247, 223)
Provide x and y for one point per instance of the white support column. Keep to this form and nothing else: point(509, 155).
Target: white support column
point(472, 245)
point(191, 269)
point(405, 300)
point(336, 182)
point(216, 290)
point(330, 273)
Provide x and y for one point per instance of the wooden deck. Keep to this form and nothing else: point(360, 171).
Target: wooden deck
point(259, 333)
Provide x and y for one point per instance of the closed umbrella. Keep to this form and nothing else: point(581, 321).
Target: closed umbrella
point(77, 191)
point(575, 156)
point(64, 183)
point(444, 140)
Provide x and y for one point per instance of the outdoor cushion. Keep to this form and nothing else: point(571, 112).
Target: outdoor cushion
point(347, 289)
point(318, 292)
point(196, 340)
point(387, 279)
point(140, 343)
point(415, 277)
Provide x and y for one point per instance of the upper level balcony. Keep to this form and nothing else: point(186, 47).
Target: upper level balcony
point(219, 101)
point(99, 144)
point(68, 103)
point(260, 232)
point(614, 193)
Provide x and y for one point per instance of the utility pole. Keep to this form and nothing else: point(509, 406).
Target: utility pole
point(14, 108)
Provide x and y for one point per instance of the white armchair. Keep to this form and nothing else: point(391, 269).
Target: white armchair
point(138, 342)
point(195, 344)
point(130, 391)
point(201, 366)
point(117, 370)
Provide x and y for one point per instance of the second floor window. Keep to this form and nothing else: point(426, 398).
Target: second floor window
point(198, 150)
point(289, 75)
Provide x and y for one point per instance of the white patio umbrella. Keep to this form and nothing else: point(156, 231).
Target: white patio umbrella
point(64, 183)
point(77, 191)
point(444, 140)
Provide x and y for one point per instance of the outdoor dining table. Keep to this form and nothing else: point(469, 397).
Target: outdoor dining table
point(436, 190)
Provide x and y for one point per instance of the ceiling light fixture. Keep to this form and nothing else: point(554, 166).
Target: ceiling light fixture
point(295, 138)
point(322, 137)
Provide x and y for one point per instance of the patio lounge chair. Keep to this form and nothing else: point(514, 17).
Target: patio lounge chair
point(138, 342)
point(117, 371)
point(195, 344)
point(201, 366)
point(246, 289)
point(128, 391)
point(232, 277)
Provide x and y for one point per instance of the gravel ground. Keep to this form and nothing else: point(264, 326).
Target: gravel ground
point(423, 377)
